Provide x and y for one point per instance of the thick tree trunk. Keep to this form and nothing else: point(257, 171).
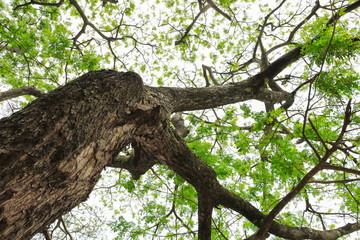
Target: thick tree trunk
point(52, 152)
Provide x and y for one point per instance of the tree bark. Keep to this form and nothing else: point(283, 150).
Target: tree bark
point(53, 151)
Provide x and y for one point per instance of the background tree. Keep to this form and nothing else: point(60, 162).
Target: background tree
point(202, 157)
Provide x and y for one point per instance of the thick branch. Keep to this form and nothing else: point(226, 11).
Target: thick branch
point(17, 92)
point(205, 208)
point(280, 64)
point(187, 99)
point(238, 204)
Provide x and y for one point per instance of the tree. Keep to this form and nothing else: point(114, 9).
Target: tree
point(198, 132)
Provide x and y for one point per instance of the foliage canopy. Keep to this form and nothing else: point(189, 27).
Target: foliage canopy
point(261, 151)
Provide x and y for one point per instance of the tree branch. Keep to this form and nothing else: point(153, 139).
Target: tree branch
point(17, 92)
point(238, 204)
point(265, 226)
point(188, 29)
point(336, 181)
point(188, 99)
point(205, 208)
point(342, 169)
point(290, 57)
point(258, 42)
point(179, 125)
point(46, 234)
point(342, 11)
point(64, 229)
point(87, 22)
point(216, 8)
point(10, 49)
point(312, 13)
point(207, 69)
point(32, 2)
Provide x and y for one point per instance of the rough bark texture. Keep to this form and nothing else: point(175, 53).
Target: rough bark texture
point(53, 151)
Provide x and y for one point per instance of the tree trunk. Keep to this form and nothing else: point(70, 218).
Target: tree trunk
point(52, 152)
